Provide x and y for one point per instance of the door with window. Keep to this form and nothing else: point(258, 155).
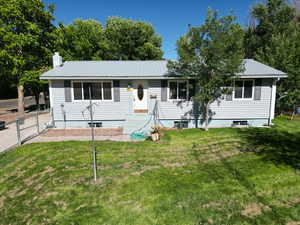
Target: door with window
point(140, 96)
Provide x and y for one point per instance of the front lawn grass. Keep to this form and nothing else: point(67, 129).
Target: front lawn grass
point(223, 176)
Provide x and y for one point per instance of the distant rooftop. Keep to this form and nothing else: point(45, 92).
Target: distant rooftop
point(138, 69)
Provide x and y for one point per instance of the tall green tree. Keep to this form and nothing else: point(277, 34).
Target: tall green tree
point(269, 19)
point(132, 40)
point(120, 39)
point(26, 39)
point(211, 55)
point(274, 40)
point(82, 40)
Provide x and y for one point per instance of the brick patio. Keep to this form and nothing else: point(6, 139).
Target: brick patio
point(74, 132)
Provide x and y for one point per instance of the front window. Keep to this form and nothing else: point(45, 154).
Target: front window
point(178, 90)
point(243, 89)
point(95, 90)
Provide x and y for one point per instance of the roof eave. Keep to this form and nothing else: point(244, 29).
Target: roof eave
point(104, 77)
point(147, 77)
point(283, 75)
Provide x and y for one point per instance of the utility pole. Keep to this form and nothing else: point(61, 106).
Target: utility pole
point(93, 136)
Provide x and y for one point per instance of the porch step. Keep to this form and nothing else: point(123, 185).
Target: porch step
point(141, 123)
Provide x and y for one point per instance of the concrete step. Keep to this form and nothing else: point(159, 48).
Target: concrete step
point(138, 123)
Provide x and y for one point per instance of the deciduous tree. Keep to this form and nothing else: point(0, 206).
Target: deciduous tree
point(82, 40)
point(120, 39)
point(26, 35)
point(274, 40)
point(132, 40)
point(212, 55)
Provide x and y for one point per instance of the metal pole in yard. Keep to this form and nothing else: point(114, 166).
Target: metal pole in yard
point(37, 122)
point(18, 131)
point(52, 117)
point(93, 136)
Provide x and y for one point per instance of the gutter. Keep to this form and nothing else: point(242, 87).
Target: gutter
point(141, 77)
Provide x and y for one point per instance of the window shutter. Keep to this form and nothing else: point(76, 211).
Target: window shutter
point(116, 85)
point(192, 89)
point(164, 90)
point(257, 89)
point(67, 86)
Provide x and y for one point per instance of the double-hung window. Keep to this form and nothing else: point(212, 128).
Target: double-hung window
point(243, 89)
point(178, 90)
point(93, 90)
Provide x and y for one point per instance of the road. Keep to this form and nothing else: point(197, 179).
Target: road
point(10, 104)
point(8, 136)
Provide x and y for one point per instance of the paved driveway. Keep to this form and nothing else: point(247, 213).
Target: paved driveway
point(8, 136)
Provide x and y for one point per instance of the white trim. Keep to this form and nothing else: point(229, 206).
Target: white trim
point(273, 101)
point(178, 81)
point(243, 89)
point(50, 94)
point(146, 90)
point(94, 100)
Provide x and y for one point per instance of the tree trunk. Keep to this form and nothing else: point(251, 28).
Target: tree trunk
point(21, 105)
point(206, 116)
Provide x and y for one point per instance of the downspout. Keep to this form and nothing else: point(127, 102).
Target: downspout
point(50, 94)
point(51, 103)
point(272, 102)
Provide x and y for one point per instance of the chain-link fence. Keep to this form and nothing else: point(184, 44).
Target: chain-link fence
point(24, 128)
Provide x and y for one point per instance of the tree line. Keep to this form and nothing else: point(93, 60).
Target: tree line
point(28, 40)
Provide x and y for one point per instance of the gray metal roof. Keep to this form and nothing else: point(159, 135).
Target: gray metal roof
point(138, 69)
point(255, 68)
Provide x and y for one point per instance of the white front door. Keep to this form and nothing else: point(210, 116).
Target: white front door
point(140, 96)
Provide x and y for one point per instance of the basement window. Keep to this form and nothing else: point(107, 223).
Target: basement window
point(96, 124)
point(240, 123)
point(181, 124)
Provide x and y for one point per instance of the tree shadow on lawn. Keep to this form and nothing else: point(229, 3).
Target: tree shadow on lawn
point(277, 146)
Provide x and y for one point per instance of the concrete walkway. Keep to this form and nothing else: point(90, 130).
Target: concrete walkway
point(8, 136)
point(79, 138)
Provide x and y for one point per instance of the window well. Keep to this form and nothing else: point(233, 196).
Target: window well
point(181, 124)
point(96, 124)
point(240, 123)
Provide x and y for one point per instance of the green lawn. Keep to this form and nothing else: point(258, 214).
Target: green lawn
point(224, 176)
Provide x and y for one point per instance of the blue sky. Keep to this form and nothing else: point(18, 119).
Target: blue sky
point(170, 18)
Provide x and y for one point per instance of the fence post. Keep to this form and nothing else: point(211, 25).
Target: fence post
point(37, 122)
point(18, 131)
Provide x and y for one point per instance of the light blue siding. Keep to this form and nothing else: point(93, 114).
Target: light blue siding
point(217, 123)
point(74, 124)
point(235, 109)
point(76, 110)
point(113, 114)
